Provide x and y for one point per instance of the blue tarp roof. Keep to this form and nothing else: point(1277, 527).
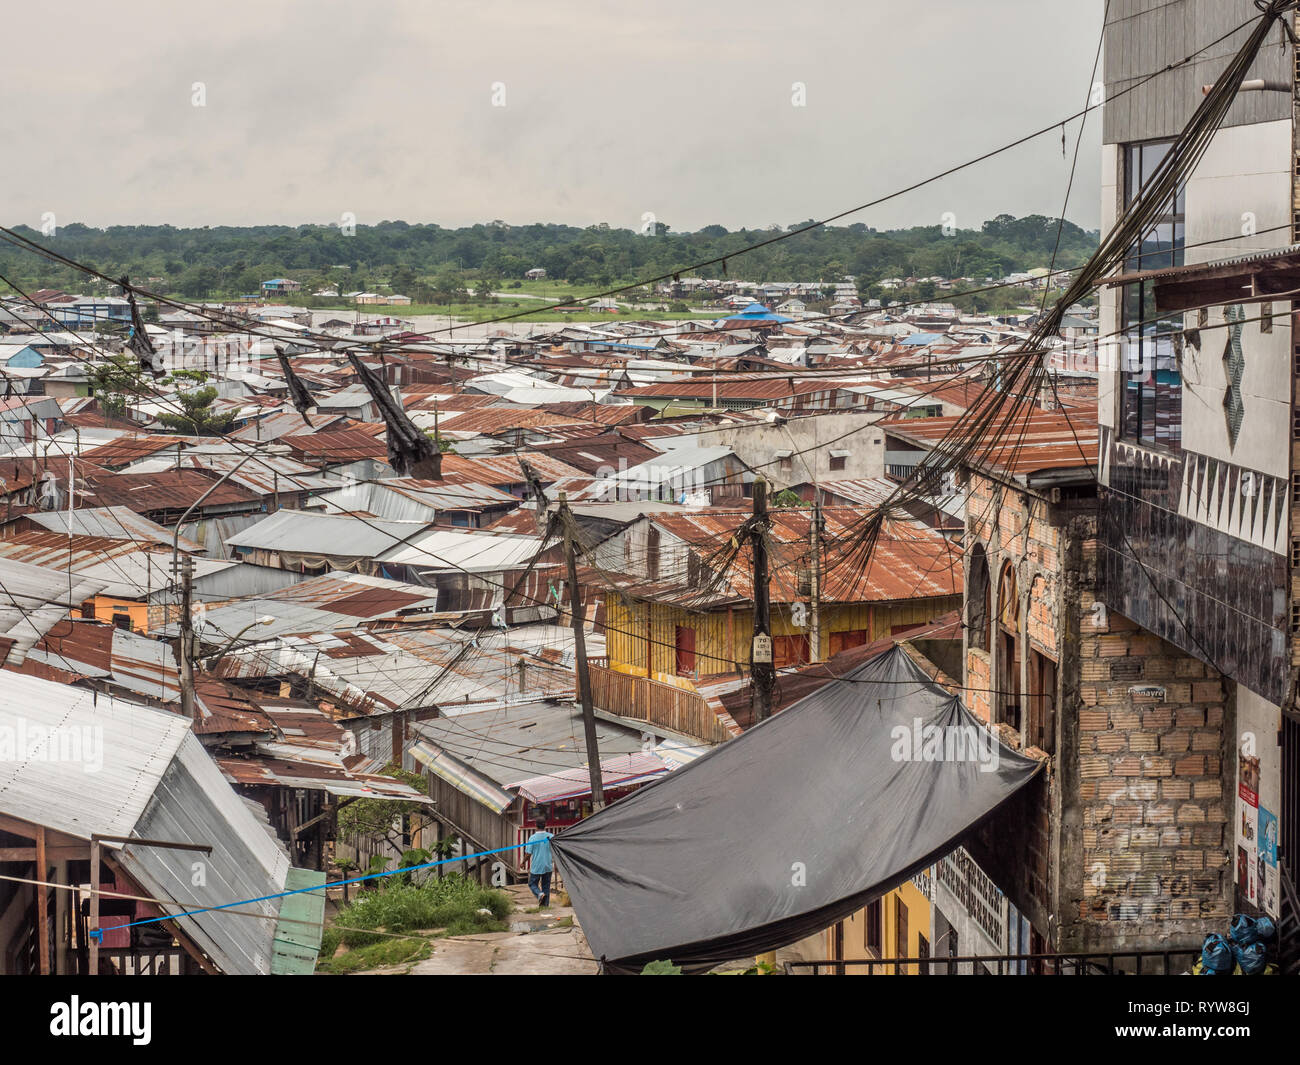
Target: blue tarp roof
point(757, 312)
point(922, 338)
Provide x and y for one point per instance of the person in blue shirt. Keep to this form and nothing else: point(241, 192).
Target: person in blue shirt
point(540, 864)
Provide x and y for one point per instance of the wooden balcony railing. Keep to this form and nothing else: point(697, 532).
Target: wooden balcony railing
point(642, 699)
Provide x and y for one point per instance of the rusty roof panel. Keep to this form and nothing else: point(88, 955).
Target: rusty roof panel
point(1030, 443)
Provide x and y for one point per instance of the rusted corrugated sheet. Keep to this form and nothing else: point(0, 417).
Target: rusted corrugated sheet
point(1033, 442)
point(909, 561)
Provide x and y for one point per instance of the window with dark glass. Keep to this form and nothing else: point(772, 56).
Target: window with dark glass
point(1152, 383)
point(874, 932)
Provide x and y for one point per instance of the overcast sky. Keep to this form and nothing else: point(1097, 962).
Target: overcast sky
point(611, 110)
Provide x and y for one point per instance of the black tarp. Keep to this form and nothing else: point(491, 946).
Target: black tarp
point(790, 827)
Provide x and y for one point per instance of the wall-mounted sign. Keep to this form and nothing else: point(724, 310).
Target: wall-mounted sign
point(1147, 691)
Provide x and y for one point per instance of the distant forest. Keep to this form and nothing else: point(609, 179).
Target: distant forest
point(429, 262)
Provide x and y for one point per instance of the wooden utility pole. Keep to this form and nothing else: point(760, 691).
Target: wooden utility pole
point(815, 586)
point(42, 904)
point(580, 659)
point(762, 672)
point(185, 646)
point(93, 920)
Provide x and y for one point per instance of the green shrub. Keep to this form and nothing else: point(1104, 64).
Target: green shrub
point(451, 903)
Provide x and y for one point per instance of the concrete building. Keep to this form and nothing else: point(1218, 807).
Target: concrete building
point(1198, 459)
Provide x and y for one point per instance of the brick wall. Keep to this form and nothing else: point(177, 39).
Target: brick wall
point(1151, 795)
point(1124, 842)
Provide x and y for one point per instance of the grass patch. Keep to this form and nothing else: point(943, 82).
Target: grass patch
point(452, 903)
point(375, 956)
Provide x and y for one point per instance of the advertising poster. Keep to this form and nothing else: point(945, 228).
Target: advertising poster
point(1267, 863)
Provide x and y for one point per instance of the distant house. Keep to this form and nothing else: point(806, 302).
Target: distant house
point(278, 286)
point(792, 306)
point(399, 301)
point(84, 312)
point(20, 356)
point(535, 274)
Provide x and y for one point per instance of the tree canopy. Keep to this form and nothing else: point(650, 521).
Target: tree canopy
point(432, 263)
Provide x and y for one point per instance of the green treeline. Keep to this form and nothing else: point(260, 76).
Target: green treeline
point(427, 261)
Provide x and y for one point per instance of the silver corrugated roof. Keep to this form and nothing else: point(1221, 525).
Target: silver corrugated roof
point(114, 767)
point(333, 535)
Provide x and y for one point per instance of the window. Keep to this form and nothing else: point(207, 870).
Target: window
point(837, 462)
point(900, 928)
point(977, 599)
point(1152, 384)
point(1008, 661)
point(685, 648)
point(922, 951)
point(694, 570)
point(652, 553)
point(1042, 701)
point(842, 641)
point(873, 935)
point(790, 651)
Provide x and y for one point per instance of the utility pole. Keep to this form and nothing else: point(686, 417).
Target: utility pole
point(761, 671)
point(185, 646)
point(580, 659)
point(72, 505)
point(815, 588)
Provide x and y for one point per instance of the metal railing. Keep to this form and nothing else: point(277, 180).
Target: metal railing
point(1093, 963)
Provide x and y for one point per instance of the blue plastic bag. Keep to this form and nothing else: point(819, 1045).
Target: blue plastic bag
point(1217, 958)
point(1247, 929)
point(1252, 958)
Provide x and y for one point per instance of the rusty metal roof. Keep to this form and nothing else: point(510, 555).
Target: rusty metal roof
point(499, 470)
point(909, 561)
point(336, 445)
point(147, 493)
point(1028, 448)
point(131, 447)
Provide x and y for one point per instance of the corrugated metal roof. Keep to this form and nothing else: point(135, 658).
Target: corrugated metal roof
point(334, 601)
point(191, 802)
point(1033, 444)
point(121, 567)
point(125, 747)
point(111, 523)
point(621, 771)
point(166, 490)
point(477, 551)
point(412, 500)
point(34, 601)
point(524, 741)
point(326, 535)
point(371, 672)
point(909, 561)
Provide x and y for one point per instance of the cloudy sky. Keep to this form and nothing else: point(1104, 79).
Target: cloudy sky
point(687, 111)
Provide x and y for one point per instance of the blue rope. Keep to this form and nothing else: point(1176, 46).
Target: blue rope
point(98, 933)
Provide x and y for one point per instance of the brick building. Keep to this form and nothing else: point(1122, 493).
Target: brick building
point(1199, 461)
point(1123, 843)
